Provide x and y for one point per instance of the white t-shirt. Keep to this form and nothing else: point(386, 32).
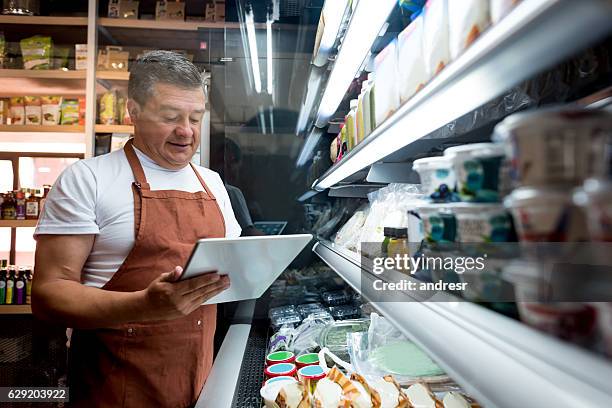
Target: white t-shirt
point(94, 196)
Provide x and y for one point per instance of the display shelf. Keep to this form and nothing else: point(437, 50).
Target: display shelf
point(44, 20)
point(535, 31)
point(115, 129)
point(113, 75)
point(354, 190)
point(165, 25)
point(499, 361)
point(42, 73)
point(42, 128)
point(15, 309)
point(18, 223)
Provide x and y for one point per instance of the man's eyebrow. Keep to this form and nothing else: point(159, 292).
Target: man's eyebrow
point(173, 108)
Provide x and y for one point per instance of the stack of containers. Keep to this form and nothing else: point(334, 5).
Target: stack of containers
point(560, 168)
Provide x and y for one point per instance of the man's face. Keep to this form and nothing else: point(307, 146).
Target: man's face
point(167, 127)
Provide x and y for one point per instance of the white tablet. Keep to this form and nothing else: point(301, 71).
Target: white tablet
point(252, 263)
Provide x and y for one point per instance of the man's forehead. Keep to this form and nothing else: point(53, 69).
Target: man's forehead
point(170, 97)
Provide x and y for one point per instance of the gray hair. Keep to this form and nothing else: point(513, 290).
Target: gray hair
point(161, 66)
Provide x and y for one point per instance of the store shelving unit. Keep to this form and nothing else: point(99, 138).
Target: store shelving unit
point(44, 20)
point(42, 74)
point(534, 31)
point(501, 362)
point(15, 309)
point(113, 75)
point(115, 129)
point(163, 25)
point(43, 128)
point(17, 223)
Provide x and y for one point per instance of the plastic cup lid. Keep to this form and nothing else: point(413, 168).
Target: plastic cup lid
point(433, 162)
point(310, 358)
point(280, 356)
point(280, 379)
point(493, 149)
point(280, 368)
point(314, 372)
point(525, 196)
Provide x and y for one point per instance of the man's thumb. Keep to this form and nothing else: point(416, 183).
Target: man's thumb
point(171, 276)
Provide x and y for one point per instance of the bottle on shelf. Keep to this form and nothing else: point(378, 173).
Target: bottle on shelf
point(20, 205)
point(3, 270)
point(8, 207)
point(32, 205)
point(46, 188)
point(20, 287)
point(10, 286)
point(28, 276)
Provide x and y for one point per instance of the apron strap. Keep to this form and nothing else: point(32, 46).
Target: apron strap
point(137, 169)
point(210, 194)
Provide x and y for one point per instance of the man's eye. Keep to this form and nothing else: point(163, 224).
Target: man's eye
point(194, 121)
point(172, 119)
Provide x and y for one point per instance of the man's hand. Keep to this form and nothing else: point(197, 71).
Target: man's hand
point(166, 298)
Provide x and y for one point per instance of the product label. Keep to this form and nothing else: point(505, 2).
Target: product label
point(32, 209)
point(19, 285)
point(2, 284)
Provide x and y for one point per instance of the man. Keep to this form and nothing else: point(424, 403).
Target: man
point(113, 236)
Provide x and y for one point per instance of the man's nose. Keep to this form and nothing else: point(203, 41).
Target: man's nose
point(184, 129)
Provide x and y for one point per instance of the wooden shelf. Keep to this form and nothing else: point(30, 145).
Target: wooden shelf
point(41, 128)
point(18, 223)
point(15, 309)
point(42, 74)
point(44, 20)
point(166, 25)
point(113, 75)
point(115, 129)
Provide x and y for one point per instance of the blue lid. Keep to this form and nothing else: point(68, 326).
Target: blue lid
point(311, 370)
point(281, 378)
point(281, 368)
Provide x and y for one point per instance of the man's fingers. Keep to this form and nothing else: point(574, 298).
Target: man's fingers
point(198, 282)
point(205, 291)
point(171, 276)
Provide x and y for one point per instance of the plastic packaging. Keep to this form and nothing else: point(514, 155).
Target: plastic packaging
point(467, 19)
point(411, 69)
point(436, 51)
point(439, 223)
point(51, 110)
point(437, 178)
point(335, 298)
point(108, 108)
point(70, 112)
point(17, 110)
point(481, 170)
point(306, 309)
point(387, 98)
point(345, 312)
point(334, 336)
point(546, 215)
point(348, 235)
point(556, 146)
point(595, 197)
point(482, 223)
point(33, 111)
point(36, 52)
point(305, 338)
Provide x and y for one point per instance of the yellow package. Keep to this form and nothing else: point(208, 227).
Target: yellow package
point(108, 108)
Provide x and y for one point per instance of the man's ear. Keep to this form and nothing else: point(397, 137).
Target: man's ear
point(133, 109)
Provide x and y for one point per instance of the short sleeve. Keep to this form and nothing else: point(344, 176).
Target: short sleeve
point(232, 228)
point(70, 207)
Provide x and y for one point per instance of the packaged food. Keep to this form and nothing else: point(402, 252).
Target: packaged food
point(335, 298)
point(51, 110)
point(596, 198)
point(108, 108)
point(411, 68)
point(439, 223)
point(280, 369)
point(466, 21)
point(437, 178)
point(307, 359)
point(345, 312)
point(499, 8)
point(334, 335)
point(454, 399)
point(351, 126)
point(573, 321)
point(387, 92)
point(69, 111)
point(556, 146)
point(123, 9)
point(546, 214)
point(33, 111)
point(383, 392)
point(80, 56)
point(333, 390)
point(36, 52)
point(282, 378)
point(3, 110)
point(170, 10)
point(309, 308)
point(280, 357)
point(421, 396)
point(82, 110)
point(60, 57)
point(436, 53)
point(2, 49)
point(286, 394)
point(477, 222)
point(481, 171)
point(291, 319)
point(17, 110)
point(311, 373)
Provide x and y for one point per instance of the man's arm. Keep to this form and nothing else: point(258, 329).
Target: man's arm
point(59, 296)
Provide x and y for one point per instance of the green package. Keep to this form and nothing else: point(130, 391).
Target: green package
point(36, 52)
point(70, 112)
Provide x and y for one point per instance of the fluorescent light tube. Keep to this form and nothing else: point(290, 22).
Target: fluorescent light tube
point(312, 140)
point(365, 24)
point(332, 14)
point(250, 26)
point(269, 56)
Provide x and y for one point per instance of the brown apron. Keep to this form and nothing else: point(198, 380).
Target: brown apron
point(151, 364)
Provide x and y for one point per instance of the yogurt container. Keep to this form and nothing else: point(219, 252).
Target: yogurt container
point(281, 369)
point(573, 321)
point(311, 372)
point(557, 146)
point(546, 215)
point(437, 178)
point(270, 391)
point(280, 357)
point(439, 224)
point(307, 359)
point(478, 223)
point(596, 198)
point(280, 379)
point(481, 170)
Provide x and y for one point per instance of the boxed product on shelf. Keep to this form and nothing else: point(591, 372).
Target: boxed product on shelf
point(113, 58)
point(51, 110)
point(108, 108)
point(2, 49)
point(33, 111)
point(466, 21)
point(80, 56)
point(123, 9)
point(36, 52)
point(60, 57)
point(170, 10)
point(70, 111)
point(17, 110)
point(81, 110)
point(386, 97)
point(436, 51)
point(411, 73)
point(3, 110)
